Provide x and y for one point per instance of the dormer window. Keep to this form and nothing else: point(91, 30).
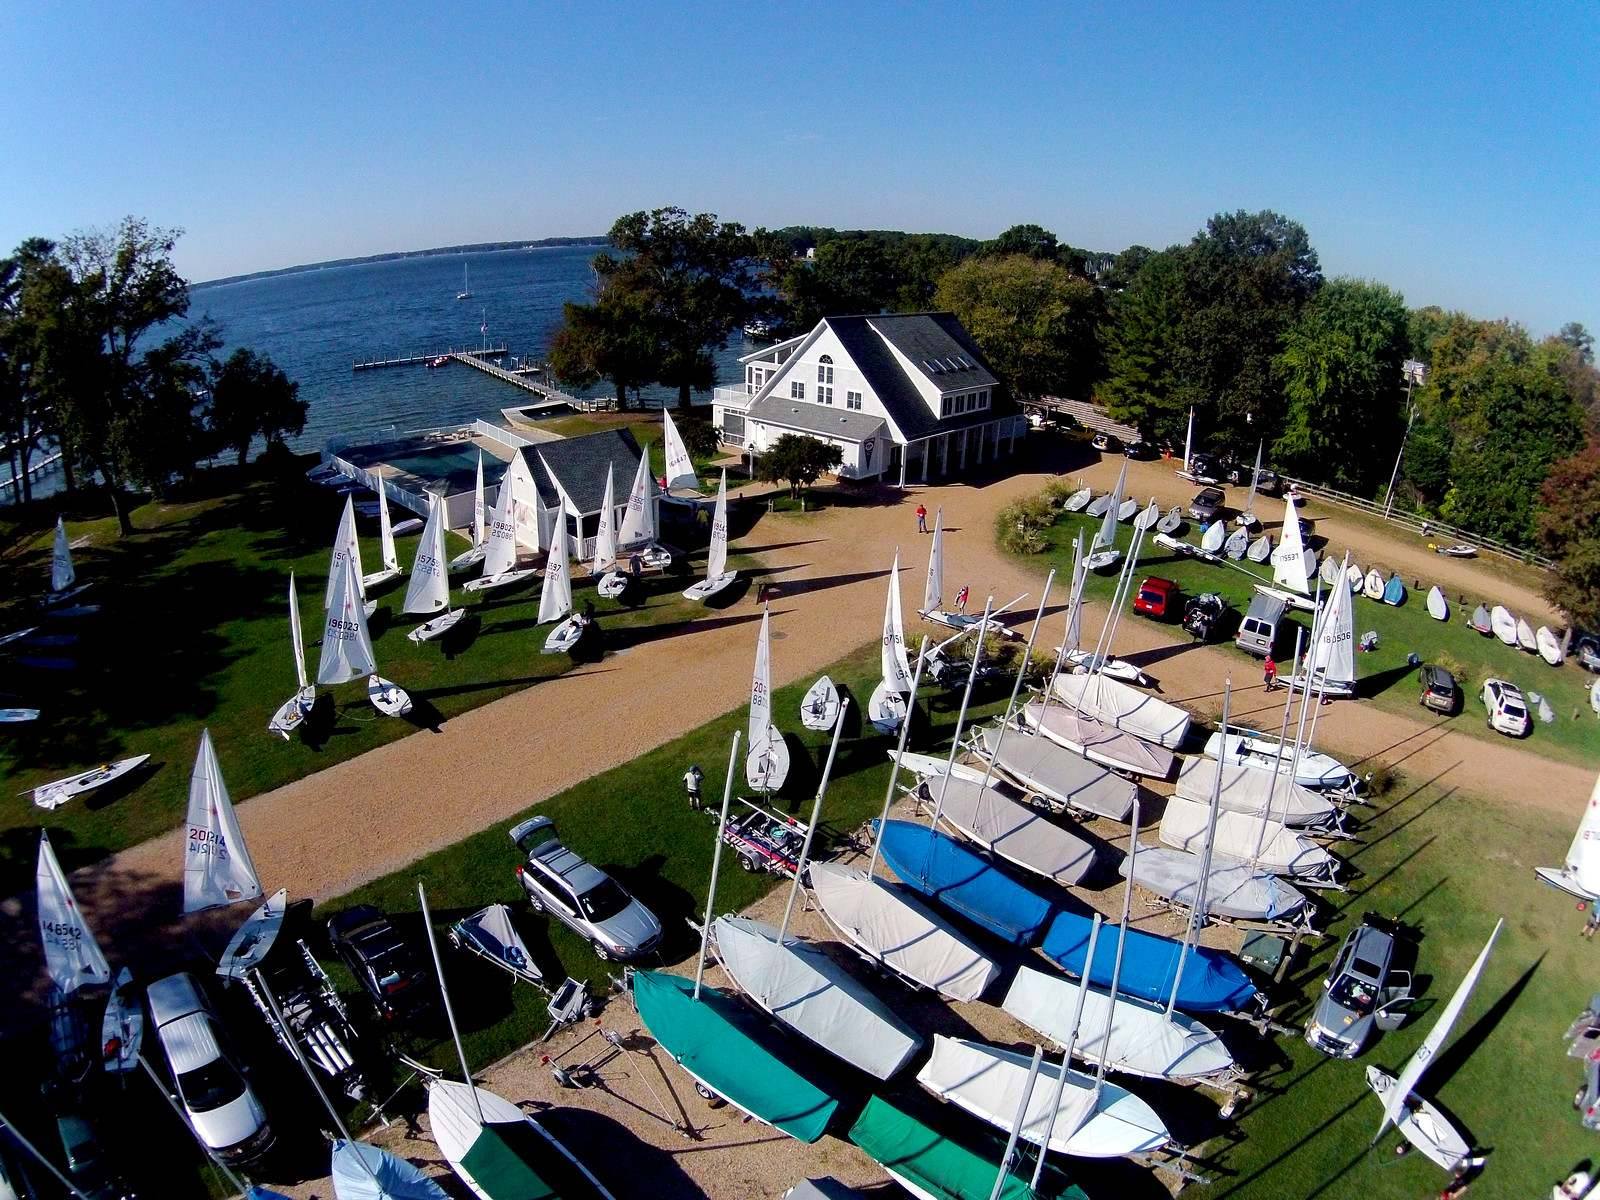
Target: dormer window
point(825, 369)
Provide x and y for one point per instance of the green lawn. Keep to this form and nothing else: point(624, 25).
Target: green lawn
point(1384, 677)
point(194, 633)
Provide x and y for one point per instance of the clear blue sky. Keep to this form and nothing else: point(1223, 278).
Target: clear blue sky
point(1451, 150)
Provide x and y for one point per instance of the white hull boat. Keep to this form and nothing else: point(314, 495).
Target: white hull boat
point(254, 939)
point(485, 583)
point(1097, 741)
point(1254, 793)
point(1266, 844)
point(1118, 705)
point(926, 766)
point(1020, 835)
point(1236, 545)
point(1260, 752)
point(766, 765)
point(387, 697)
point(820, 706)
point(961, 621)
point(54, 795)
point(1504, 625)
point(1526, 638)
point(454, 1120)
point(1438, 606)
point(438, 626)
point(1149, 516)
point(565, 636)
point(378, 578)
point(1078, 500)
point(1062, 777)
point(1233, 891)
point(612, 584)
point(656, 557)
point(18, 716)
point(1097, 507)
point(707, 588)
point(1214, 538)
point(1084, 662)
point(409, 525)
point(1127, 509)
point(1102, 560)
point(466, 560)
point(1549, 646)
point(1331, 571)
point(1171, 522)
point(1373, 587)
point(293, 712)
point(718, 577)
point(886, 708)
point(1261, 549)
point(123, 1027)
point(1423, 1125)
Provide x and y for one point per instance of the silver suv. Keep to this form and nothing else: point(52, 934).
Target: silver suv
point(580, 894)
point(1363, 991)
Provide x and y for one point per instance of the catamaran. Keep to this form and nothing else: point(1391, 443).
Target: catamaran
point(72, 959)
point(429, 589)
point(500, 547)
point(766, 763)
point(292, 712)
point(886, 708)
point(347, 647)
point(933, 589)
point(1580, 875)
point(391, 557)
point(612, 581)
point(1419, 1121)
point(555, 597)
point(718, 577)
point(473, 555)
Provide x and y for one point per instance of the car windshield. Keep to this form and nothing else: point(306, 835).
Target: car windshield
point(604, 900)
point(1152, 597)
point(210, 1087)
point(1356, 995)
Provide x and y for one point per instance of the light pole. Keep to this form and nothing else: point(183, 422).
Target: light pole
point(1415, 374)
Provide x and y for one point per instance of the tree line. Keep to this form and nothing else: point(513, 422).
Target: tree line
point(97, 361)
point(1238, 325)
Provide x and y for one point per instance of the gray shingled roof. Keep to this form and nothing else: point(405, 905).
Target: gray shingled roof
point(580, 464)
point(823, 419)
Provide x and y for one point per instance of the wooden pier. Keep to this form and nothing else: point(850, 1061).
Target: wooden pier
point(419, 360)
point(480, 359)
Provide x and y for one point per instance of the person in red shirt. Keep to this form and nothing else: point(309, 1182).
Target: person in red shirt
point(961, 598)
point(1269, 674)
point(922, 518)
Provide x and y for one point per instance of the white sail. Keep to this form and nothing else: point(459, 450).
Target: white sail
point(1080, 574)
point(429, 589)
point(62, 574)
point(346, 646)
point(1106, 536)
point(216, 863)
point(344, 547)
point(1290, 565)
point(896, 668)
point(1255, 476)
point(717, 556)
point(1188, 442)
point(1582, 868)
point(479, 527)
point(1423, 1058)
point(680, 467)
point(391, 557)
point(761, 684)
point(526, 528)
point(555, 598)
point(501, 554)
point(1333, 653)
point(638, 519)
point(295, 635)
point(605, 538)
point(933, 589)
point(71, 954)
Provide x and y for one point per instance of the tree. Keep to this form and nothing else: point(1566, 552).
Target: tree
point(1035, 322)
point(798, 461)
point(1340, 374)
point(1569, 533)
point(611, 339)
point(1035, 241)
point(250, 397)
point(847, 275)
point(1139, 342)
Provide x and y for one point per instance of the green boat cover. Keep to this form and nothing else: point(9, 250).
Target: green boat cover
point(514, 1161)
point(900, 1143)
point(724, 1045)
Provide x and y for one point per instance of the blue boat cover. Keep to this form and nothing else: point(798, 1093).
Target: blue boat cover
point(943, 869)
point(1212, 980)
point(396, 1179)
point(1394, 592)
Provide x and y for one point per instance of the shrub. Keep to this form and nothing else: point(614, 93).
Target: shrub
point(1456, 667)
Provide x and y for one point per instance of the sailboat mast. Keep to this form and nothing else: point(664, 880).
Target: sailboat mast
point(449, 1009)
point(899, 753)
point(716, 861)
point(1073, 601)
point(1016, 1124)
point(1319, 630)
point(1197, 907)
point(1066, 1053)
point(1122, 941)
point(7, 1124)
point(1022, 669)
point(961, 717)
point(1277, 758)
point(816, 815)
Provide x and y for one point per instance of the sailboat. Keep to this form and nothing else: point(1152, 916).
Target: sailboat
point(766, 763)
point(1103, 552)
point(1243, 790)
point(612, 581)
point(72, 959)
point(679, 466)
point(500, 546)
point(1580, 875)
point(54, 794)
point(122, 1029)
point(1332, 666)
point(473, 555)
point(466, 286)
point(1188, 445)
point(820, 706)
point(933, 589)
point(1247, 517)
point(1292, 564)
point(718, 576)
point(638, 532)
point(429, 589)
point(346, 549)
point(347, 647)
point(62, 574)
point(1068, 653)
point(217, 869)
point(391, 558)
point(293, 712)
point(555, 597)
point(493, 1147)
point(1277, 756)
point(1418, 1120)
point(886, 708)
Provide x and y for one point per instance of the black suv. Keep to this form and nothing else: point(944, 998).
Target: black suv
point(389, 970)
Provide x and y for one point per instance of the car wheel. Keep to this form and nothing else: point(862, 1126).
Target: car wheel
point(600, 952)
point(1577, 1100)
point(536, 904)
point(749, 864)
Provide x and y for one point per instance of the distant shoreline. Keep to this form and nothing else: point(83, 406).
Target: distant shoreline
point(476, 247)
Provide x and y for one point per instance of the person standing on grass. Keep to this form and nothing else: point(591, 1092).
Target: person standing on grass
point(922, 518)
point(1269, 674)
point(691, 784)
point(1593, 923)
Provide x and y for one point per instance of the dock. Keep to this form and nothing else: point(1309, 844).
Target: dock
point(523, 376)
point(420, 360)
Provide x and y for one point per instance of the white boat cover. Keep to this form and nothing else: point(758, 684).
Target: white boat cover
point(1248, 791)
point(1125, 708)
point(1143, 1039)
point(71, 955)
point(1097, 741)
point(680, 467)
point(1549, 645)
point(429, 589)
point(1127, 509)
point(1238, 542)
point(1526, 638)
point(62, 574)
point(1438, 606)
point(989, 1083)
point(1292, 563)
point(1039, 764)
point(807, 990)
point(895, 665)
point(1214, 537)
point(1267, 844)
point(1013, 831)
point(890, 925)
point(216, 863)
point(605, 538)
point(346, 645)
point(1503, 624)
point(1260, 752)
point(639, 518)
point(1234, 891)
point(363, 1172)
point(555, 597)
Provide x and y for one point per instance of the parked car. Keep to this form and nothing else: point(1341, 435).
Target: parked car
point(90, 1169)
point(1268, 481)
point(1508, 711)
point(581, 895)
point(1106, 443)
point(1586, 649)
point(1207, 468)
point(1439, 690)
point(212, 1087)
point(1258, 632)
point(1362, 992)
point(1157, 598)
point(386, 966)
point(1205, 615)
point(1139, 449)
point(1207, 505)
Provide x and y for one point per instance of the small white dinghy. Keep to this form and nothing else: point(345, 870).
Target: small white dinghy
point(718, 577)
point(1526, 638)
point(429, 589)
point(438, 627)
point(1149, 516)
point(1331, 570)
point(1103, 560)
point(388, 697)
point(1087, 662)
point(408, 526)
point(555, 598)
point(54, 795)
point(819, 707)
point(1503, 624)
point(500, 543)
point(1261, 549)
point(766, 762)
point(1097, 507)
point(1549, 646)
point(122, 1029)
point(499, 579)
point(1170, 522)
point(1373, 587)
point(1214, 538)
point(1127, 509)
point(1078, 500)
point(612, 584)
point(292, 712)
point(1438, 606)
point(933, 590)
point(1236, 544)
point(252, 941)
point(886, 708)
point(1480, 622)
point(564, 638)
point(612, 581)
point(1356, 576)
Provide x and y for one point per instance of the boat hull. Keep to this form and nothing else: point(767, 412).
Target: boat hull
point(1423, 1125)
point(708, 588)
point(820, 707)
point(438, 626)
point(486, 583)
point(388, 697)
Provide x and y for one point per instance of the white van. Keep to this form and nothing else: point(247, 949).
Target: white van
point(1259, 630)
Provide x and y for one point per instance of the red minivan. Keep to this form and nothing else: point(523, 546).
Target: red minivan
point(1157, 598)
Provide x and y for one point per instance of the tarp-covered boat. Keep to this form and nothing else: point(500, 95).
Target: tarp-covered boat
point(1008, 830)
point(935, 865)
point(1060, 775)
point(1212, 981)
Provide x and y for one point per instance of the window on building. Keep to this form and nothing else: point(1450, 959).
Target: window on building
point(797, 390)
point(825, 369)
point(824, 395)
point(945, 407)
point(852, 400)
point(983, 398)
